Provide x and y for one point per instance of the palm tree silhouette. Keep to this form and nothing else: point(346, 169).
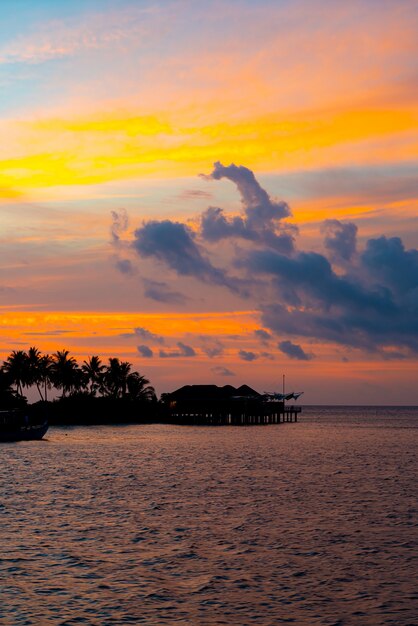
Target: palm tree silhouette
point(16, 365)
point(66, 374)
point(93, 370)
point(46, 373)
point(31, 368)
point(139, 388)
point(34, 360)
point(116, 377)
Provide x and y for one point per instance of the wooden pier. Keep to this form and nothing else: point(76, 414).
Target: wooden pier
point(226, 406)
point(276, 416)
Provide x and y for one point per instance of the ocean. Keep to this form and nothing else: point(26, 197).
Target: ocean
point(307, 523)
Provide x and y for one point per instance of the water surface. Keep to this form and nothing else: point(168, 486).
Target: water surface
point(307, 523)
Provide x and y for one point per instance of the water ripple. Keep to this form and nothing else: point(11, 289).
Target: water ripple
point(308, 523)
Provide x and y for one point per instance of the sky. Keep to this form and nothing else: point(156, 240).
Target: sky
point(218, 192)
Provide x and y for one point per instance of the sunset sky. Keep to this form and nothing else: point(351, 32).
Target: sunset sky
point(219, 192)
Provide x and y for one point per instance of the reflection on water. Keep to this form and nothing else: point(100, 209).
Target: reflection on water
point(308, 523)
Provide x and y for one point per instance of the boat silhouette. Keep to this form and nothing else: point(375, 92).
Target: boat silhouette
point(17, 425)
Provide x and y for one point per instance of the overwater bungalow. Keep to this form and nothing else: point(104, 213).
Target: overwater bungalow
point(210, 404)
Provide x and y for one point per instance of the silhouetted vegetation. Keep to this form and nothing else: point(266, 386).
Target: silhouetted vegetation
point(93, 392)
point(9, 398)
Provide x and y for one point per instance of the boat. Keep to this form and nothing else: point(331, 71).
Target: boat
point(17, 425)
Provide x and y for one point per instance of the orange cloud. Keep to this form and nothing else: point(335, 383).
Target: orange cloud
point(85, 151)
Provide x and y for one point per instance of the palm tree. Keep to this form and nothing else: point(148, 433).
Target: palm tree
point(66, 374)
point(116, 377)
point(34, 360)
point(46, 373)
point(93, 370)
point(16, 365)
point(139, 388)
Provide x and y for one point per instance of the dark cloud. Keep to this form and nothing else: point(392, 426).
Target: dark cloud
point(388, 262)
point(213, 351)
point(263, 335)
point(222, 371)
point(215, 226)
point(145, 352)
point(144, 335)
point(340, 239)
point(262, 217)
point(124, 266)
point(186, 350)
point(365, 329)
point(360, 295)
point(373, 305)
point(311, 279)
point(267, 355)
point(212, 347)
point(247, 356)
point(183, 351)
point(147, 335)
point(293, 351)
point(258, 205)
point(174, 244)
point(161, 292)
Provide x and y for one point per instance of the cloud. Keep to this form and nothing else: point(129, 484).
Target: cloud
point(161, 292)
point(340, 239)
point(124, 266)
point(194, 194)
point(372, 306)
point(120, 223)
point(119, 226)
point(388, 262)
point(57, 39)
point(48, 333)
point(247, 356)
point(362, 294)
point(145, 352)
point(263, 335)
point(378, 184)
point(213, 351)
point(144, 335)
point(183, 351)
point(222, 371)
point(262, 217)
point(173, 243)
point(212, 347)
point(215, 226)
point(370, 302)
point(310, 278)
point(257, 204)
point(393, 355)
point(293, 351)
point(147, 335)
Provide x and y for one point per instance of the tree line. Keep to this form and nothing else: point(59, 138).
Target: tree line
point(24, 369)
